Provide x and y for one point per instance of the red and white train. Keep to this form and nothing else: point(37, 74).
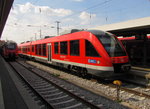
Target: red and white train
point(92, 51)
point(10, 50)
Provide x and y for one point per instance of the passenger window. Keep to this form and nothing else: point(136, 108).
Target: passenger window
point(44, 49)
point(56, 47)
point(36, 49)
point(28, 48)
point(63, 48)
point(40, 53)
point(32, 48)
point(90, 50)
point(25, 49)
point(74, 48)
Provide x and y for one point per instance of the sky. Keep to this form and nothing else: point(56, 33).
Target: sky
point(33, 19)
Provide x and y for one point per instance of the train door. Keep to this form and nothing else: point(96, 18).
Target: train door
point(49, 52)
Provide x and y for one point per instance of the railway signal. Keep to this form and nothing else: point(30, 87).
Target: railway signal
point(118, 84)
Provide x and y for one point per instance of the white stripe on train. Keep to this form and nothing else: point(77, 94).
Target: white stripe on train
point(77, 64)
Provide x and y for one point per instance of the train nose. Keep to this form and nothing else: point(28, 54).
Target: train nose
point(11, 55)
point(123, 59)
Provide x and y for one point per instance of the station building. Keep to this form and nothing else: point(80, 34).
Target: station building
point(139, 48)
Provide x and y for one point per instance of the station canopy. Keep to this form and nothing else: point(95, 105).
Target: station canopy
point(128, 28)
point(5, 6)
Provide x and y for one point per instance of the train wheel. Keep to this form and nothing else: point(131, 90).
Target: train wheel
point(69, 67)
point(84, 72)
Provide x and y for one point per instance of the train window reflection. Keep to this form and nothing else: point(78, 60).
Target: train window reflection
point(63, 48)
point(44, 49)
point(111, 44)
point(56, 47)
point(11, 46)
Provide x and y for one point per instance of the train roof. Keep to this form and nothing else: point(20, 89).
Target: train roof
point(126, 38)
point(70, 31)
point(25, 44)
point(98, 32)
point(65, 37)
point(8, 42)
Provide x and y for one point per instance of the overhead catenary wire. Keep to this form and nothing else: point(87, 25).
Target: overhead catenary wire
point(91, 7)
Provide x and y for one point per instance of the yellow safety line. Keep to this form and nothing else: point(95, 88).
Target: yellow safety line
point(140, 68)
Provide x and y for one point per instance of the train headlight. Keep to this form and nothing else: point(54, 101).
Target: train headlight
point(98, 62)
point(122, 59)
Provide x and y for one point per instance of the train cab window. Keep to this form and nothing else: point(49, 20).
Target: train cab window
point(44, 49)
point(74, 48)
point(111, 44)
point(90, 50)
point(32, 48)
point(63, 48)
point(11, 46)
point(56, 47)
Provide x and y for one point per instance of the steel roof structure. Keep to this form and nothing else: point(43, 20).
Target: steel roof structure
point(130, 27)
point(5, 6)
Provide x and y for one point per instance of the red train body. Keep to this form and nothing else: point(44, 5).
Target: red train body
point(10, 50)
point(130, 38)
point(95, 52)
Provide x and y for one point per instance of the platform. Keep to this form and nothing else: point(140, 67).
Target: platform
point(9, 96)
point(141, 71)
point(139, 75)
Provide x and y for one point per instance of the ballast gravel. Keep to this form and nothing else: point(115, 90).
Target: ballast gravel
point(127, 99)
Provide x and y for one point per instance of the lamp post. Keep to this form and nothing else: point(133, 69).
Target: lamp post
point(36, 26)
point(40, 32)
point(35, 36)
point(58, 27)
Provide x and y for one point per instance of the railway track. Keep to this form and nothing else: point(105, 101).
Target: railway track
point(54, 96)
point(131, 88)
point(129, 92)
point(136, 91)
point(128, 87)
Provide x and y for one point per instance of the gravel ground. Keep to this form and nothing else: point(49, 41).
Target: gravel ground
point(128, 99)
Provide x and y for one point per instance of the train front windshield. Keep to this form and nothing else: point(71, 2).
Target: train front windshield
point(11, 46)
point(111, 44)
